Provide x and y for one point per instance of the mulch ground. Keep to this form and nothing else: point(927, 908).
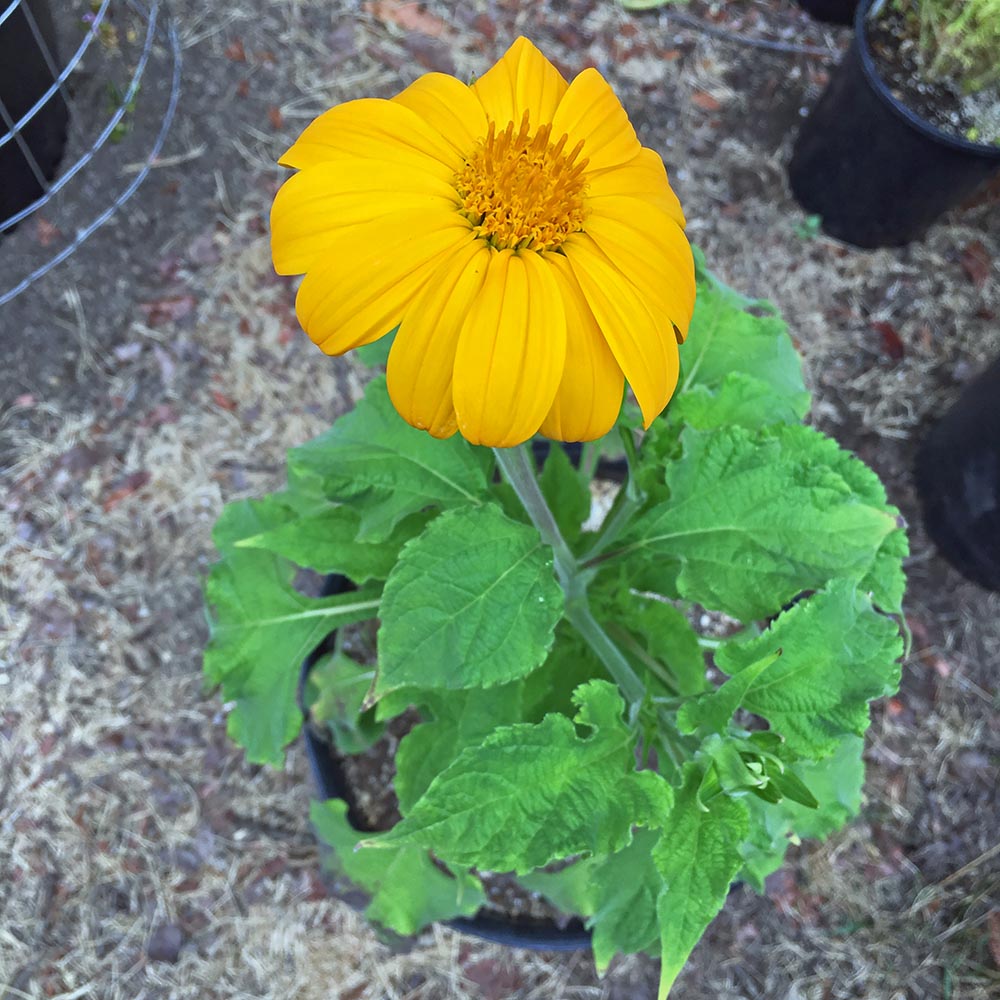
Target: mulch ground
point(140, 856)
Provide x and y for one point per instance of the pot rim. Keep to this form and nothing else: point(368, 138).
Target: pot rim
point(879, 86)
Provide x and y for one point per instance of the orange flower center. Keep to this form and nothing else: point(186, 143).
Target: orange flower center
point(522, 191)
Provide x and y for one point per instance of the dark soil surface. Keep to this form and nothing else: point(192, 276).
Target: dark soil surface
point(897, 57)
point(159, 373)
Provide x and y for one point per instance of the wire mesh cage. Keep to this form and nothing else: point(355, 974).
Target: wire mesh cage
point(88, 89)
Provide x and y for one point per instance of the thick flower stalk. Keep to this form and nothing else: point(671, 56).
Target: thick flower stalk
point(529, 249)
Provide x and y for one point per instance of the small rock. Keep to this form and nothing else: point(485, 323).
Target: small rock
point(165, 944)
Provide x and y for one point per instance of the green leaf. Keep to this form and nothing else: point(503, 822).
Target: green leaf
point(376, 354)
point(326, 539)
point(791, 787)
point(660, 447)
point(336, 690)
point(838, 654)
point(570, 889)
point(739, 399)
point(472, 602)
point(885, 579)
point(570, 663)
point(763, 851)
point(725, 338)
point(246, 518)
point(625, 890)
point(667, 636)
point(714, 711)
point(732, 772)
point(408, 890)
point(836, 785)
point(617, 892)
point(756, 518)
point(261, 631)
point(697, 857)
point(387, 469)
point(462, 719)
point(531, 794)
point(567, 494)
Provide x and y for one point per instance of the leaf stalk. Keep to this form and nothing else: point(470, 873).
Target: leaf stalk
point(518, 467)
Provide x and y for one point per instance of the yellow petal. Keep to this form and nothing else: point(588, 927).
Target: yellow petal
point(590, 111)
point(361, 290)
point(313, 206)
point(449, 107)
point(651, 251)
point(644, 177)
point(523, 80)
point(374, 129)
point(643, 344)
point(590, 393)
point(511, 351)
point(422, 358)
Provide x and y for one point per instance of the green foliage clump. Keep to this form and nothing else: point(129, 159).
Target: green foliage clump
point(958, 39)
point(570, 730)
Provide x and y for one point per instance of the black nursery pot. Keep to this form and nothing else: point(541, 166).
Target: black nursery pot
point(876, 172)
point(29, 158)
point(832, 11)
point(958, 481)
point(330, 782)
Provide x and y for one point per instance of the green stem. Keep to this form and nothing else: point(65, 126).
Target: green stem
point(583, 620)
point(657, 669)
point(591, 561)
point(629, 499)
point(620, 514)
point(518, 467)
point(589, 457)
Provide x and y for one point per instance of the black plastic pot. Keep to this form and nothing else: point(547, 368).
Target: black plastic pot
point(330, 782)
point(28, 67)
point(958, 481)
point(832, 11)
point(875, 171)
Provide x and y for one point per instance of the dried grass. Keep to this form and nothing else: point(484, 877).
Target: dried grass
point(124, 809)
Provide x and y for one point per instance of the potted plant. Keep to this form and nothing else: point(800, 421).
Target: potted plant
point(909, 125)
point(559, 717)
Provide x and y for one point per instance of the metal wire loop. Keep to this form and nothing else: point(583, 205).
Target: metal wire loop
point(158, 25)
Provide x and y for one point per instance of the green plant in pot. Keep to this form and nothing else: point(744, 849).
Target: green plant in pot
point(563, 718)
point(909, 125)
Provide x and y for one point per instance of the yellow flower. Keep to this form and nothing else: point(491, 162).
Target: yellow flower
point(530, 250)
